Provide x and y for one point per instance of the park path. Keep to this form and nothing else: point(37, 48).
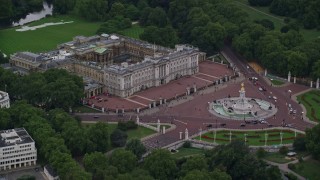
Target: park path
point(272, 16)
point(284, 167)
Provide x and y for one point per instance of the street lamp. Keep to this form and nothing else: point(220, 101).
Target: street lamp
point(245, 139)
point(266, 138)
point(281, 135)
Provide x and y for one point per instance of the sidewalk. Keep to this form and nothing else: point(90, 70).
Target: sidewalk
point(284, 167)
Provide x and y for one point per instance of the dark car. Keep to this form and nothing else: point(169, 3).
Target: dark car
point(242, 125)
point(95, 117)
point(209, 125)
point(270, 125)
point(223, 124)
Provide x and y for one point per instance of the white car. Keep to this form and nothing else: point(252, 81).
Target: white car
point(260, 89)
point(263, 122)
point(274, 97)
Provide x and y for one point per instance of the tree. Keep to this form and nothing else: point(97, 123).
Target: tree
point(160, 164)
point(117, 9)
point(6, 11)
point(162, 36)
point(63, 6)
point(194, 163)
point(98, 135)
point(132, 12)
point(299, 143)
point(136, 147)
point(4, 119)
point(124, 160)
point(197, 174)
point(313, 141)
point(92, 10)
point(297, 62)
point(118, 138)
point(94, 162)
point(115, 25)
point(259, 2)
point(283, 150)
point(261, 153)
point(316, 70)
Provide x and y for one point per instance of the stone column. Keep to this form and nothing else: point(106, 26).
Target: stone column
point(289, 76)
point(158, 125)
point(116, 111)
point(311, 84)
point(163, 129)
point(165, 101)
point(154, 103)
point(188, 91)
point(160, 101)
point(265, 72)
point(195, 87)
point(138, 120)
point(180, 137)
point(294, 80)
point(220, 80)
point(122, 111)
point(186, 134)
point(138, 110)
point(150, 105)
point(221, 61)
point(226, 78)
point(102, 109)
point(317, 84)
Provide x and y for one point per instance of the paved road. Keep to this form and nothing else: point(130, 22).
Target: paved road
point(191, 113)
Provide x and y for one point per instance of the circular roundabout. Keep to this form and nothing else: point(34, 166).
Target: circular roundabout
point(242, 107)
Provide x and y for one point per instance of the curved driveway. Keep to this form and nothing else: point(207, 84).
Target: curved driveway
point(193, 114)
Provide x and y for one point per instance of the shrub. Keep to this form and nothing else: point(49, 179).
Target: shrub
point(187, 144)
point(118, 138)
point(261, 153)
point(122, 126)
point(131, 125)
point(283, 150)
point(291, 166)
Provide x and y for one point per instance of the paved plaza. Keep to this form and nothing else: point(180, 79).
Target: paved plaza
point(208, 73)
point(191, 112)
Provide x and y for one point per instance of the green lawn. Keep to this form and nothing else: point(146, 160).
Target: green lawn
point(133, 32)
point(308, 169)
point(46, 38)
point(84, 109)
point(259, 13)
point(138, 133)
point(183, 152)
point(276, 82)
point(311, 101)
point(277, 158)
point(255, 138)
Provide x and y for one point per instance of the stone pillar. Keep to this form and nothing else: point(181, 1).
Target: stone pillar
point(220, 81)
point(195, 87)
point(317, 84)
point(221, 61)
point(102, 109)
point(150, 105)
point(92, 105)
point(186, 134)
point(226, 78)
point(122, 111)
point(116, 111)
point(180, 137)
point(165, 101)
point(188, 91)
point(138, 110)
point(289, 76)
point(158, 125)
point(265, 72)
point(217, 82)
point(138, 120)
point(163, 129)
point(294, 80)
point(311, 84)
point(154, 104)
point(160, 101)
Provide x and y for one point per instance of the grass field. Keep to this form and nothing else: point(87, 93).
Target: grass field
point(308, 169)
point(276, 82)
point(185, 152)
point(46, 38)
point(311, 101)
point(277, 158)
point(84, 109)
point(259, 13)
point(138, 133)
point(254, 138)
point(133, 32)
